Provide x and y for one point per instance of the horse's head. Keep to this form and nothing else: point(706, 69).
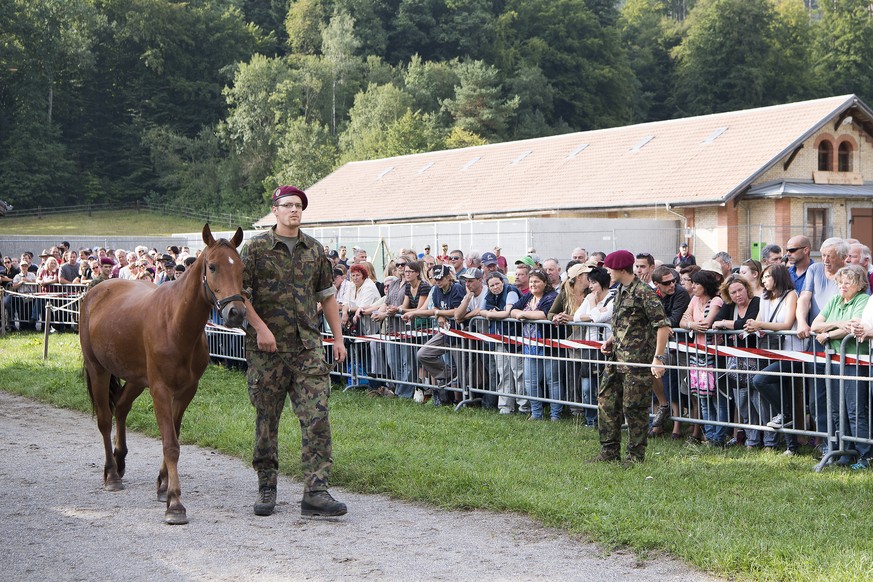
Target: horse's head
point(222, 276)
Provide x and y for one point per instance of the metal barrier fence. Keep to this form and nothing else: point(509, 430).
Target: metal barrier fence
point(719, 383)
point(40, 306)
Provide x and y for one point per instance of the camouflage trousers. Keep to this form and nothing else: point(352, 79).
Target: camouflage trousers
point(624, 392)
point(303, 377)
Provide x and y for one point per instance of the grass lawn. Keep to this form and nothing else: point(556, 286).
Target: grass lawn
point(104, 223)
point(746, 515)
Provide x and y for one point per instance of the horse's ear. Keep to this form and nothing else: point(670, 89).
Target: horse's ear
point(207, 235)
point(237, 237)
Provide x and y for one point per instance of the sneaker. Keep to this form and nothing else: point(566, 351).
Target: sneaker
point(779, 421)
point(861, 465)
point(266, 502)
point(505, 411)
point(789, 453)
point(663, 415)
point(630, 461)
point(321, 504)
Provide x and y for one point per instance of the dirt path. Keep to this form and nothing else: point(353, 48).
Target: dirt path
point(56, 523)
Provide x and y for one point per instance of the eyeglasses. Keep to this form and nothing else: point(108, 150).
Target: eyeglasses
point(456, 258)
point(408, 272)
point(399, 265)
point(667, 283)
point(795, 249)
point(291, 205)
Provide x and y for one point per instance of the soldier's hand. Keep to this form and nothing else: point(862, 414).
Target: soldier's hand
point(266, 341)
point(339, 352)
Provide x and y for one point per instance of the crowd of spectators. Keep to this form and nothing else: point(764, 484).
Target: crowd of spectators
point(85, 267)
point(784, 301)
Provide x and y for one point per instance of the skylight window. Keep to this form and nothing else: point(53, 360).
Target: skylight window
point(714, 135)
point(642, 143)
point(523, 155)
point(425, 168)
point(577, 151)
point(469, 164)
point(384, 173)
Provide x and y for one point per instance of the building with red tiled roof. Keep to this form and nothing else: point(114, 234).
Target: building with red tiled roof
point(729, 181)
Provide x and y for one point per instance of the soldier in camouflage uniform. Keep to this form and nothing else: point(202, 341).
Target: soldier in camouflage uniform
point(286, 273)
point(640, 331)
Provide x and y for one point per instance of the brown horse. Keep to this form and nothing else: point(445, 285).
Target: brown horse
point(153, 336)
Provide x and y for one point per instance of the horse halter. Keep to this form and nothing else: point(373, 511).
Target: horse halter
point(219, 304)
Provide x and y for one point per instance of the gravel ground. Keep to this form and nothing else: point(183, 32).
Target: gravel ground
point(57, 523)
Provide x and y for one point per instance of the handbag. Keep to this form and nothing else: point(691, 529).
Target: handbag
point(702, 382)
point(745, 364)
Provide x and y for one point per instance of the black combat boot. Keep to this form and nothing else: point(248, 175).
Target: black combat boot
point(321, 504)
point(266, 502)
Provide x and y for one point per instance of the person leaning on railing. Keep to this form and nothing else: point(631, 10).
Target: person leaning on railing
point(534, 306)
point(510, 368)
point(831, 326)
point(740, 305)
point(775, 383)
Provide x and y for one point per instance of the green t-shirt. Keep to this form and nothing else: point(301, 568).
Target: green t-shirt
point(836, 310)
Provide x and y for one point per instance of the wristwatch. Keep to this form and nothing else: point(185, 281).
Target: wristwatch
point(663, 358)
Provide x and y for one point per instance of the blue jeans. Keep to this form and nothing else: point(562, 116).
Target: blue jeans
point(857, 396)
point(714, 408)
point(777, 393)
point(538, 374)
point(401, 362)
point(819, 389)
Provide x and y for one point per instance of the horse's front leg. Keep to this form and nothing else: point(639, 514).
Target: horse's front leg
point(164, 407)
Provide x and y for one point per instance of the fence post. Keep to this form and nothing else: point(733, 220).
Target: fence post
point(46, 331)
point(3, 318)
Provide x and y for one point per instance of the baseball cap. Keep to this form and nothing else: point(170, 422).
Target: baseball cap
point(489, 258)
point(526, 260)
point(440, 271)
point(283, 191)
point(472, 274)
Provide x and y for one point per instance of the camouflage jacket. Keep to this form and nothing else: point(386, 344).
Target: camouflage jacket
point(636, 317)
point(284, 289)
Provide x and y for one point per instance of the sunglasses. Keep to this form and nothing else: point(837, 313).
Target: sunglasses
point(795, 249)
point(399, 264)
point(667, 283)
point(456, 258)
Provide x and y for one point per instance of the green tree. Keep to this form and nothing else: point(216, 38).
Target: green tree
point(430, 82)
point(793, 37)
point(307, 153)
point(649, 35)
point(339, 44)
point(724, 62)
point(303, 25)
point(844, 48)
point(374, 110)
point(582, 58)
point(467, 29)
point(478, 105)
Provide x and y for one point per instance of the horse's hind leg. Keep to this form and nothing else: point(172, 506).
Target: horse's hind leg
point(99, 380)
point(128, 394)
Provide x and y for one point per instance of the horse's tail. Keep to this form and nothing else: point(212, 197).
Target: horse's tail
point(114, 390)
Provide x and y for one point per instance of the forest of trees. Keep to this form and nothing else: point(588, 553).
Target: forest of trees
point(210, 104)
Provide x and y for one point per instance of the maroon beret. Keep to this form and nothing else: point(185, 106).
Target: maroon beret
point(107, 261)
point(619, 260)
point(283, 191)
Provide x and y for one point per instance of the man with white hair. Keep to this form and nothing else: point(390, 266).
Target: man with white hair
point(553, 270)
point(859, 254)
point(359, 255)
point(579, 254)
point(126, 272)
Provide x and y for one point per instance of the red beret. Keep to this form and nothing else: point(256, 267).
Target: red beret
point(283, 191)
point(107, 261)
point(619, 260)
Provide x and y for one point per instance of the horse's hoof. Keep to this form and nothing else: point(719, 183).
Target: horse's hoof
point(176, 517)
point(162, 496)
point(114, 485)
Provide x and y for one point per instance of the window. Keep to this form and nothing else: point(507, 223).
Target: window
point(825, 156)
point(844, 157)
point(818, 225)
